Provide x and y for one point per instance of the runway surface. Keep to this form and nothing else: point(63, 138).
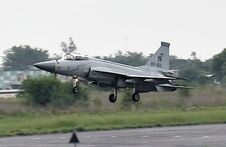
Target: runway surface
point(183, 136)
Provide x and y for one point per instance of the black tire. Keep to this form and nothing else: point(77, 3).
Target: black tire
point(112, 98)
point(75, 90)
point(136, 97)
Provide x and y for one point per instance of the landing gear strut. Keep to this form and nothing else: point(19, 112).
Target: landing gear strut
point(113, 96)
point(75, 88)
point(135, 96)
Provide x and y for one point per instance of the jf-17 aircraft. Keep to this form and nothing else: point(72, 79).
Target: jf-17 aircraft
point(153, 76)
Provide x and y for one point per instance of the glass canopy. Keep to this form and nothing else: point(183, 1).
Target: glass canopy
point(75, 57)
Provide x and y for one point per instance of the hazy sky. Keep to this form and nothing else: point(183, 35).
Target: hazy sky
point(101, 27)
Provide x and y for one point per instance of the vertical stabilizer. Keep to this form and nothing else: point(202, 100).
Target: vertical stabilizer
point(161, 57)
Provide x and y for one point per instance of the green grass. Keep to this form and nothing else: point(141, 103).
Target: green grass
point(39, 123)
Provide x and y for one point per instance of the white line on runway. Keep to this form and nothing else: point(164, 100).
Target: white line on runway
point(144, 136)
point(205, 136)
point(114, 136)
point(62, 137)
point(177, 136)
point(37, 138)
point(87, 137)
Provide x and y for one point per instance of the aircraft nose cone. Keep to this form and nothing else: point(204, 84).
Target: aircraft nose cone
point(47, 66)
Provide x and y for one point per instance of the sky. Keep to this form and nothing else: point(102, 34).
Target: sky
point(102, 27)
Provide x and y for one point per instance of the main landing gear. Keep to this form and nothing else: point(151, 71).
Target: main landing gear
point(136, 97)
point(75, 88)
point(113, 96)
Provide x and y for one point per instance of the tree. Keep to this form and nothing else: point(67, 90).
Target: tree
point(70, 48)
point(130, 58)
point(23, 56)
point(48, 90)
point(219, 65)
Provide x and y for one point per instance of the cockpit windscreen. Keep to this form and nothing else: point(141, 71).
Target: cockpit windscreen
point(75, 57)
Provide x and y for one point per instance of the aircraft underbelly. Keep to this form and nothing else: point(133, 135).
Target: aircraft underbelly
point(100, 76)
point(145, 87)
point(154, 88)
point(165, 89)
point(108, 79)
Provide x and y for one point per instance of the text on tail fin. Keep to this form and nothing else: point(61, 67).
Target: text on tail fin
point(161, 57)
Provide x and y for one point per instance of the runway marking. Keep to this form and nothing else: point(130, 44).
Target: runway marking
point(177, 136)
point(88, 137)
point(37, 138)
point(144, 136)
point(205, 136)
point(62, 137)
point(114, 136)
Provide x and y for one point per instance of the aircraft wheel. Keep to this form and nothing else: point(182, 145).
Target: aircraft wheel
point(75, 90)
point(136, 97)
point(112, 98)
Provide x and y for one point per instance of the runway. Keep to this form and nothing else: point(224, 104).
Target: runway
point(182, 136)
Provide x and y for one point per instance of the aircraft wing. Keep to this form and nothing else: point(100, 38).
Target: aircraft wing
point(129, 75)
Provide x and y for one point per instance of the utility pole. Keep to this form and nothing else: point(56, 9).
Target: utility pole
point(193, 54)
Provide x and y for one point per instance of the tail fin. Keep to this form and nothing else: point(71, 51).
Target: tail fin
point(161, 57)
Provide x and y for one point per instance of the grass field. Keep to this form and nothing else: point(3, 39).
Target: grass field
point(39, 123)
point(206, 105)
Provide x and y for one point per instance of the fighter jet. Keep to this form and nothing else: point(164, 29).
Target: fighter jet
point(153, 76)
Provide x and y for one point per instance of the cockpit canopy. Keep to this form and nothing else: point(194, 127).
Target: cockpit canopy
point(75, 57)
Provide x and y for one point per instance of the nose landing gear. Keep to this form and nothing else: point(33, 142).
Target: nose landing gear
point(75, 88)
